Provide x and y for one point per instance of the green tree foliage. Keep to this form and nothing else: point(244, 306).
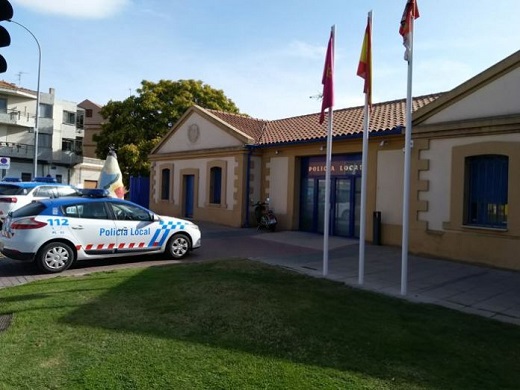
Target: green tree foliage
point(137, 124)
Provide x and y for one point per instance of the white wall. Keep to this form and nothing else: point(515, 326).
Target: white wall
point(62, 130)
point(85, 171)
point(210, 137)
point(499, 97)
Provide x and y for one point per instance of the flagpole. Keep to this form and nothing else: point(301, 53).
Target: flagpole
point(362, 222)
point(407, 163)
point(364, 172)
point(326, 221)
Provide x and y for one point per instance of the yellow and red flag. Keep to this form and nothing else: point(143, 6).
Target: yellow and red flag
point(410, 13)
point(365, 60)
point(327, 80)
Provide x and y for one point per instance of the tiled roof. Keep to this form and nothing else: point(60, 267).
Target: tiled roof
point(349, 121)
point(251, 126)
point(14, 87)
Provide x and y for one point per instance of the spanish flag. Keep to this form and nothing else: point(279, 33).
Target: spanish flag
point(111, 178)
point(365, 60)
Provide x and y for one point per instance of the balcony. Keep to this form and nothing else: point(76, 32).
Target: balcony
point(17, 118)
point(14, 150)
point(65, 157)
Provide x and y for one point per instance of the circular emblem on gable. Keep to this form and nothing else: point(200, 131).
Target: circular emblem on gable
point(193, 133)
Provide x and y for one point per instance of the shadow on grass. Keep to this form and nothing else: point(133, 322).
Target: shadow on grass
point(261, 310)
point(19, 298)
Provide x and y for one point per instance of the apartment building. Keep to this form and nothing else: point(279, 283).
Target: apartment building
point(59, 142)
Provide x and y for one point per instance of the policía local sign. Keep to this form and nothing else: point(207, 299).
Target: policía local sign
point(5, 162)
point(341, 165)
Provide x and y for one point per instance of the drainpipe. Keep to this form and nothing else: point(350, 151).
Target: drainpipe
point(248, 181)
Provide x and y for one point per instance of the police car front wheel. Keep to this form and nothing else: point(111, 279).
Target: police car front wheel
point(55, 257)
point(178, 246)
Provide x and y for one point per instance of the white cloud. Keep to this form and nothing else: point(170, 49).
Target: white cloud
point(91, 9)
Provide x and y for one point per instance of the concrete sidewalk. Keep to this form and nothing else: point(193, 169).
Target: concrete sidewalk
point(484, 291)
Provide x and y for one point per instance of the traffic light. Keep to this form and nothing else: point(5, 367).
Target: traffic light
point(6, 13)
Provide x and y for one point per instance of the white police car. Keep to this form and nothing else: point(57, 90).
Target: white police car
point(55, 233)
point(15, 193)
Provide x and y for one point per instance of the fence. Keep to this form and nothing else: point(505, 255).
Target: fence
point(140, 190)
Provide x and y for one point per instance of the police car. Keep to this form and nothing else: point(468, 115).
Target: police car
point(15, 193)
point(54, 233)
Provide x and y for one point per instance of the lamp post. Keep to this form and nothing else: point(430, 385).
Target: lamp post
point(36, 120)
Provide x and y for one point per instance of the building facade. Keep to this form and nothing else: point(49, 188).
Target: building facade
point(465, 166)
point(212, 166)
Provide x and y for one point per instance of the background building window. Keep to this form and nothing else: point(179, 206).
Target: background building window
point(45, 110)
point(69, 118)
point(3, 105)
point(67, 145)
point(78, 146)
point(215, 185)
point(485, 191)
point(80, 119)
point(165, 184)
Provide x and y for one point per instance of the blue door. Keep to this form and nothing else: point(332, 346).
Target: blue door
point(345, 194)
point(344, 206)
point(189, 195)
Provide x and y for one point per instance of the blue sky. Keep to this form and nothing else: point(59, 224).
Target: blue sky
point(266, 56)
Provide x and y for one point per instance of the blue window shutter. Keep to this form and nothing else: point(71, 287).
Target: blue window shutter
point(486, 190)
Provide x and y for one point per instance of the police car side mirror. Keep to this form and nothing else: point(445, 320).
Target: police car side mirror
point(154, 217)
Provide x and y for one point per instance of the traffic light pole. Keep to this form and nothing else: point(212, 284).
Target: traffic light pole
point(36, 119)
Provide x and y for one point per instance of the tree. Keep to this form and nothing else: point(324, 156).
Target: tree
point(137, 124)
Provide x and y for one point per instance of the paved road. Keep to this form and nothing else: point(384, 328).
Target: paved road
point(218, 242)
point(472, 289)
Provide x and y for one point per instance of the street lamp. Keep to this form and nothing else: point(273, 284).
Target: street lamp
point(36, 120)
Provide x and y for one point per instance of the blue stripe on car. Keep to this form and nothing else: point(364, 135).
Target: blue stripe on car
point(165, 227)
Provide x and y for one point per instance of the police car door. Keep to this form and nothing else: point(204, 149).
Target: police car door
point(93, 228)
point(137, 227)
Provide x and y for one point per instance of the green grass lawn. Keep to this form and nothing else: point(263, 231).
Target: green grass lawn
point(241, 325)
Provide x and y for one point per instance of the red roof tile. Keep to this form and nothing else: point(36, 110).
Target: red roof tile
point(385, 116)
point(14, 87)
point(250, 126)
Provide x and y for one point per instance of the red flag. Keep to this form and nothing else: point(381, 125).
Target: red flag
point(365, 61)
point(410, 13)
point(327, 80)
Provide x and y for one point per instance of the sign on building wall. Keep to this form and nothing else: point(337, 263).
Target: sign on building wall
point(5, 162)
point(341, 165)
